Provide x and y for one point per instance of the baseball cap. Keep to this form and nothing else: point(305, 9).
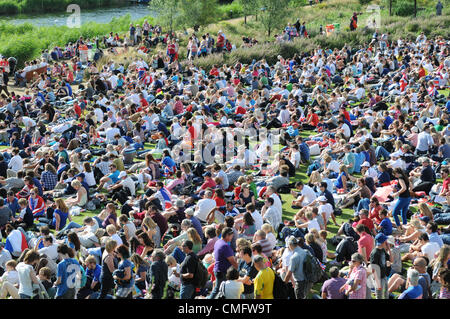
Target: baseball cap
point(207, 174)
point(380, 238)
point(425, 219)
point(122, 174)
point(81, 175)
point(365, 164)
point(322, 199)
point(189, 211)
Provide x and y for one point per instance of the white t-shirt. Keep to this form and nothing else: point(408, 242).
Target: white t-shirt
point(11, 276)
point(89, 178)
point(50, 251)
point(233, 289)
point(333, 166)
point(26, 284)
point(128, 182)
point(429, 249)
point(295, 159)
point(204, 207)
point(313, 224)
point(277, 203)
point(110, 132)
point(117, 239)
point(327, 209)
point(258, 219)
point(309, 195)
point(16, 163)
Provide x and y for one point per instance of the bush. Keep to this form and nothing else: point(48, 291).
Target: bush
point(403, 8)
point(364, 2)
point(412, 27)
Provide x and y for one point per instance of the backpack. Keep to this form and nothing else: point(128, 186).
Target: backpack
point(201, 275)
point(312, 269)
point(284, 189)
point(280, 288)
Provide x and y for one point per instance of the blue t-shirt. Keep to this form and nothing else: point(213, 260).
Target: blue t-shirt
point(114, 176)
point(67, 270)
point(304, 151)
point(383, 177)
point(122, 265)
point(62, 218)
point(94, 273)
point(386, 226)
point(168, 161)
point(414, 292)
point(338, 183)
point(38, 184)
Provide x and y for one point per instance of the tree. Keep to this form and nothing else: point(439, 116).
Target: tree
point(272, 13)
point(249, 7)
point(166, 12)
point(197, 12)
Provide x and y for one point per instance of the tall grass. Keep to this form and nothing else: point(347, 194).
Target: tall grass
point(26, 41)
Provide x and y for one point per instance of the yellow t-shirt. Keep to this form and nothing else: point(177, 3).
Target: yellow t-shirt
point(264, 283)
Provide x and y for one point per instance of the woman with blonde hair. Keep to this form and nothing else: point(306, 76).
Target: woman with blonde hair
point(440, 262)
point(193, 236)
point(75, 161)
point(82, 197)
point(315, 178)
point(142, 267)
point(152, 230)
point(424, 210)
point(173, 276)
point(270, 234)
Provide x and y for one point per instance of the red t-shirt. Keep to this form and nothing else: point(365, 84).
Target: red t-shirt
point(208, 183)
point(219, 201)
point(445, 183)
point(374, 214)
point(240, 110)
point(178, 107)
point(192, 132)
point(214, 72)
point(365, 241)
point(77, 109)
point(367, 222)
point(144, 102)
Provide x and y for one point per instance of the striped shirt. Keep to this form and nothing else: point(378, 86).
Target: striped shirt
point(266, 247)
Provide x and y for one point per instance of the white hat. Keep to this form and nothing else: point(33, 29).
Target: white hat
point(122, 174)
point(156, 119)
point(322, 199)
point(365, 164)
point(396, 154)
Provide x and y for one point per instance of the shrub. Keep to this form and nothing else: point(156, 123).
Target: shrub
point(403, 8)
point(364, 2)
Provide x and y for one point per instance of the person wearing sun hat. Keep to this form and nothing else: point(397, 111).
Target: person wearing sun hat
point(379, 258)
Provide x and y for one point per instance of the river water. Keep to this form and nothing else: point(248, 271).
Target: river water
point(101, 15)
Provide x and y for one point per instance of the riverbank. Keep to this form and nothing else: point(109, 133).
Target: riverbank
point(10, 7)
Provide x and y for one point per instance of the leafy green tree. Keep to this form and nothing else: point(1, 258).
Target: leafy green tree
point(197, 12)
point(249, 7)
point(166, 12)
point(272, 13)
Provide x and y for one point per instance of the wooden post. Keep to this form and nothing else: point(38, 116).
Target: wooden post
point(390, 7)
point(415, 8)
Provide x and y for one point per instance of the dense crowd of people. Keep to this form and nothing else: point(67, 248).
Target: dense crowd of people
point(199, 213)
